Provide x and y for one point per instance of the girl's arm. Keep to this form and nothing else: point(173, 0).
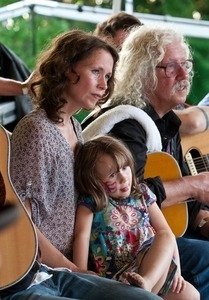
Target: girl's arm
point(84, 218)
point(157, 218)
point(159, 223)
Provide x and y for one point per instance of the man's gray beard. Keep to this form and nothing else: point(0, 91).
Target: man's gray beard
point(181, 84)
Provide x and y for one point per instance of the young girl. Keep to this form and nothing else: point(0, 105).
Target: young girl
point(130, 240)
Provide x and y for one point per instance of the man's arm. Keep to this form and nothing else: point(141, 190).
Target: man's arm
point(194, 119)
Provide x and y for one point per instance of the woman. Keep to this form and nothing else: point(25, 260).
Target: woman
point(77, 71)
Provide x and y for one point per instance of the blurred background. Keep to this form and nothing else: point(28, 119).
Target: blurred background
point(26, 26)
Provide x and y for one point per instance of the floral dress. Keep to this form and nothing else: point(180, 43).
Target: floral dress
point(120, 232)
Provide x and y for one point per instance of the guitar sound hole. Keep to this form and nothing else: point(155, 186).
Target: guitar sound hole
point(201, 162)
point(8, 212)
point(2, 191)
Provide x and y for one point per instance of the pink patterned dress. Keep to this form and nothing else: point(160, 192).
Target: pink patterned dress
point(120, 232)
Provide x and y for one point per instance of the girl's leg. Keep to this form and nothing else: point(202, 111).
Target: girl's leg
point(189, 293)
point(154, 267)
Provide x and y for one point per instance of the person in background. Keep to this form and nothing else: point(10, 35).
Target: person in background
point(119, 220)
point(116, 29)
point(76, 71)
point(10, 87)
point(12, 67)
point(204, 101)
point(159, 82)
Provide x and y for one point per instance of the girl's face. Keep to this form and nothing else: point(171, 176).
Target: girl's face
point(117, 182)
point(94, 73)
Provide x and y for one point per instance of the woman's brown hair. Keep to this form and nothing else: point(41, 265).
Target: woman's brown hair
point(66, 50)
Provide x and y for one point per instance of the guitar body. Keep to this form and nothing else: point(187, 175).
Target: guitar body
point(199, 142)
point(164, 165)
point(18, 240)
point(197, 145)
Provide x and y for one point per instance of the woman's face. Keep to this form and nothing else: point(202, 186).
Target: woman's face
point(94, 73)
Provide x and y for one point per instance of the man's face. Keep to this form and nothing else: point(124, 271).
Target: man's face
point(171, 91)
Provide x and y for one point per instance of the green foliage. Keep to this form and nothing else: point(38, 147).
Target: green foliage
point(27, 37)
point(200, 85)
point(6, 2)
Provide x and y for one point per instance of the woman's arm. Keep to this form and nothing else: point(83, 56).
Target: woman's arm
point(82, 232)
point(49, 254)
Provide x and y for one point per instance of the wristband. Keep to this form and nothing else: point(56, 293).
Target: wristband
point(206, 117)
point(24, 88)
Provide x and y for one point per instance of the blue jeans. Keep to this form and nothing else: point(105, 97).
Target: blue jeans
point(194, 257)
point(67, 285)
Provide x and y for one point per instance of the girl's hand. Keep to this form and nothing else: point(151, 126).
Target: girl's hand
point(178, 284)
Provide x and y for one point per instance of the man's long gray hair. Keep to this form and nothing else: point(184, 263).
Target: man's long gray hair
point(141, 52)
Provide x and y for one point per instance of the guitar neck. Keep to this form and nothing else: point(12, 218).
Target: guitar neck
point(191, 164)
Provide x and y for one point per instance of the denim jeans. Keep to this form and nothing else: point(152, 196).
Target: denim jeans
point(194, 257)
point(67, 285)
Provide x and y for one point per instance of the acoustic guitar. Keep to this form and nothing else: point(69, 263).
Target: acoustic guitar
point(164, 165)
point(195, 150)
point(18, 240)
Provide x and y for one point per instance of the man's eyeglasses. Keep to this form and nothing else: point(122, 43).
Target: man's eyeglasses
point(172, 68)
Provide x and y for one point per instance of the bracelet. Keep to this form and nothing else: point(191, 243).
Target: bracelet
point(206, 117)
point(24, 88)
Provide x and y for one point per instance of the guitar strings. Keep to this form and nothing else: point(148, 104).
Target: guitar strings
point(201, 163)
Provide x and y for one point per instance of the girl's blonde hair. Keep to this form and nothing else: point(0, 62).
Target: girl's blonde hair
point(86, 179)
